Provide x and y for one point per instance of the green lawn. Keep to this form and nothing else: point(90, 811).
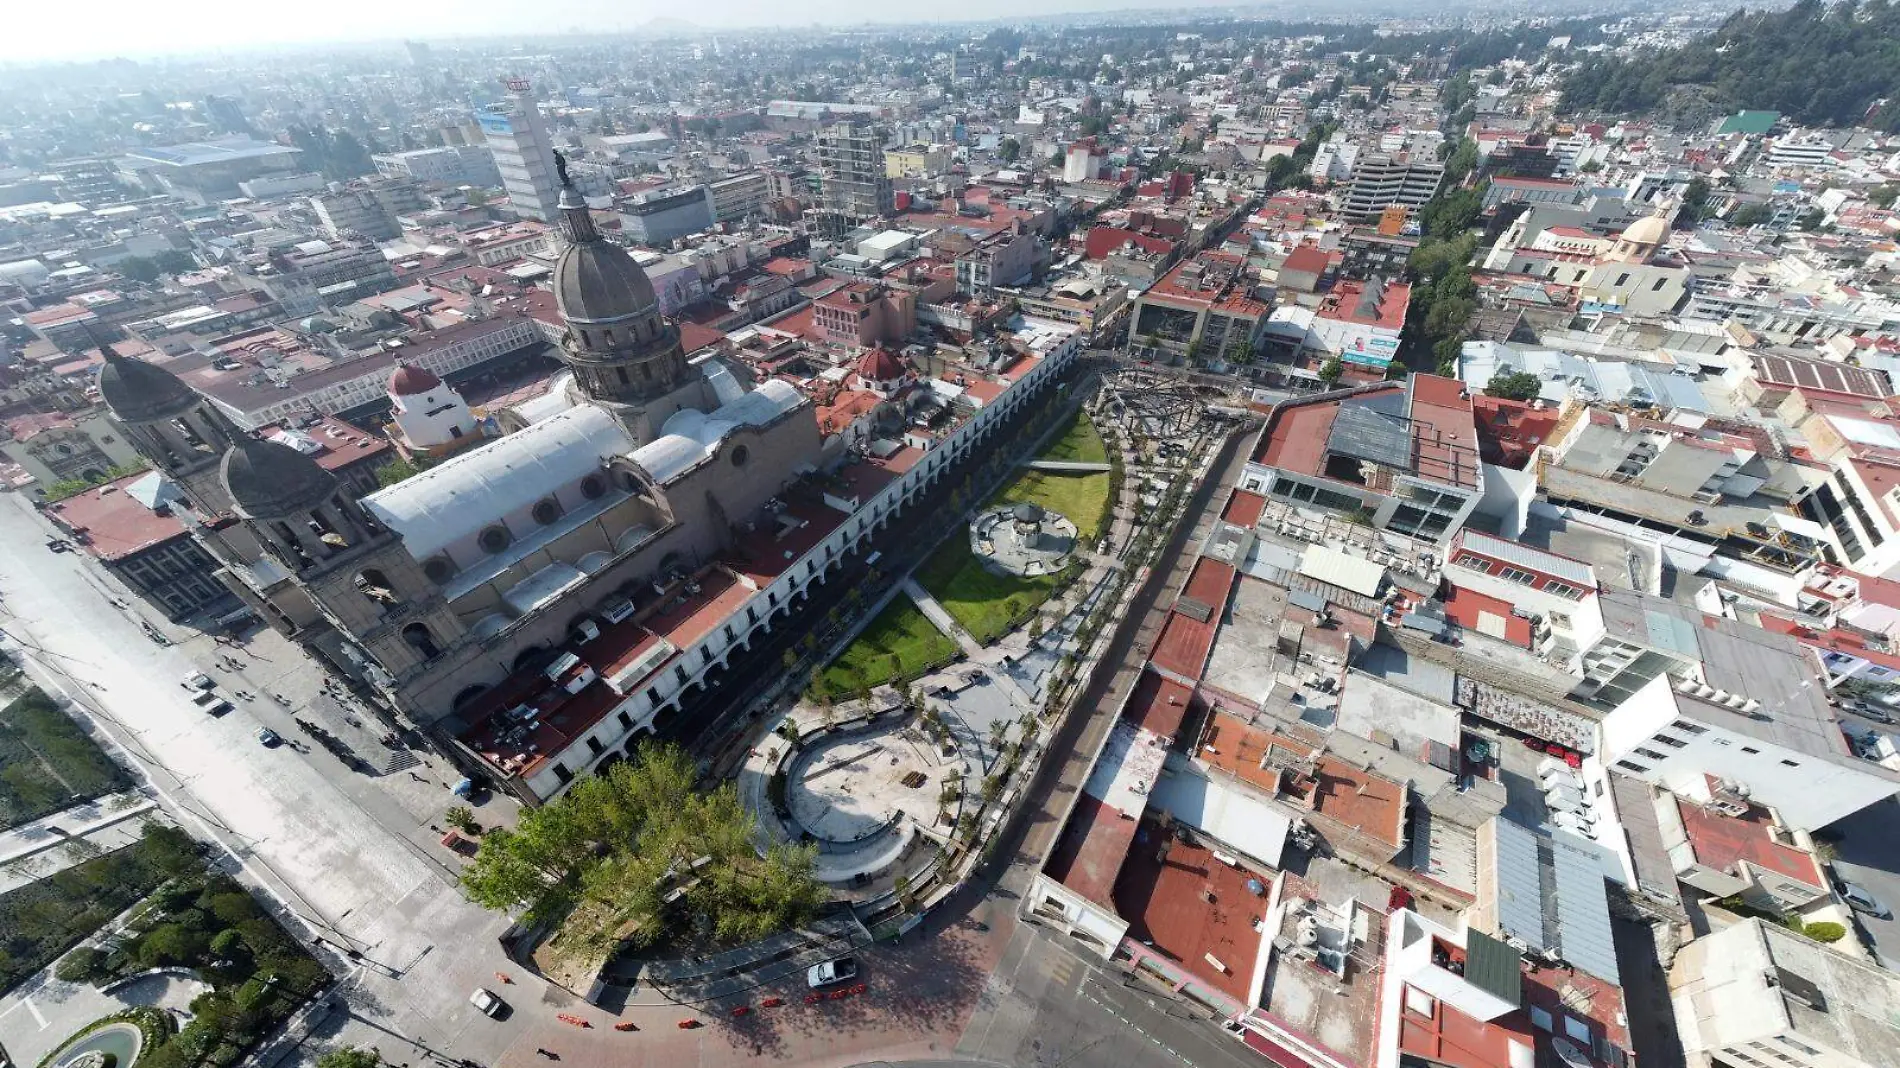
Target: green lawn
point(1080, 497)
point(47, 762)
point(899, 641)
point(985, 602)
point(1078, 442)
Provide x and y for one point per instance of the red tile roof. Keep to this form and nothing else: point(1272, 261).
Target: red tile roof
point(113, 523)
point(1721, 842)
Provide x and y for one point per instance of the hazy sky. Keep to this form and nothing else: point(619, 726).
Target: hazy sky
point(44, 29)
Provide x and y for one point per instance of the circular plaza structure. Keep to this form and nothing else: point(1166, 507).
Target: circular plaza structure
point(1023, 539)
point(847, 789)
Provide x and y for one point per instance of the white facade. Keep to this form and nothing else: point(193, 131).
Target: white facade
point(524, 155)
point(433, 418)
point(1753, 995)
point(1676, 741)
point(1080, 163)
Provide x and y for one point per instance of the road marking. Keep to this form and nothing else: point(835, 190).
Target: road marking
point(34, 1011)
point(1136, 1028)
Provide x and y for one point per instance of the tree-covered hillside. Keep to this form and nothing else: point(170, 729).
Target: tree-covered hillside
point(1819, 64)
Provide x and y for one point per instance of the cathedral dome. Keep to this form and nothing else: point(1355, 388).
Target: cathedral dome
point(410, 381)
point(270, 480)
point(595, 280)
point(140, 392)
point(1648, 230)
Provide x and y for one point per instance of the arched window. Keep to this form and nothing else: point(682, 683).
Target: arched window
point(438, 569)
point(467, 695)
point(421, 641)
point(546, 510)
point(376, 586)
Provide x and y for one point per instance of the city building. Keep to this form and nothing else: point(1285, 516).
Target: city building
point(1383, 180)
point(204, 172)
point(518, 140)
point(1755, 995)
point(1208, 305)
point(1715, 710)
point(661, 216)
point(128, 525)
point(1402, 456)
point(1359, 322)
point(739, 198)
point(851, 157)
point(449, 165)
point(354, 211)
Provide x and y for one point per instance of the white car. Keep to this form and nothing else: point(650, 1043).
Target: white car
point(487, 1003)
point(832, 971)
point(197, 680)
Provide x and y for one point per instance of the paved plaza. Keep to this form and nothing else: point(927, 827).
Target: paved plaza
point(848, 789)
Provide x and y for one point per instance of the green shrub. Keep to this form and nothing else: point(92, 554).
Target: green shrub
point(82, 965)
point(1825, 931)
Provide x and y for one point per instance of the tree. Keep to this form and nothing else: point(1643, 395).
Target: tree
point(462, 819)
point(1591, 167)
point(1751, 215)
point(1008, 149)
point(1331, 371)
point(82, 965)
point(350, 1057)
point(397, 470)
point(1514, 385)
point(618, 844)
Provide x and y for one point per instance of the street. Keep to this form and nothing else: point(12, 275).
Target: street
point(350, 877)
point(1869, 844)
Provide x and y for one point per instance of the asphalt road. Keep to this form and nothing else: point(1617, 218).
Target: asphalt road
point(1869, 854)
point(288, 823)
point(1048, 1005)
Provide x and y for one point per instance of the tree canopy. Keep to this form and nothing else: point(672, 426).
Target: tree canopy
point(1514, 385)
point(611, 849)
point(1820, 64)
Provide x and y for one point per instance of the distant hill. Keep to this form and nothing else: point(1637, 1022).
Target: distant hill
point(1818, 64)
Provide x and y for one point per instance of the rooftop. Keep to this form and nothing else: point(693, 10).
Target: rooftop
point(114, 522)
point(1374, 303)
point(1190, 906)
point(1723, 842)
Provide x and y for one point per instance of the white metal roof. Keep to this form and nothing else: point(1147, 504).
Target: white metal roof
point(452, 501)
point(1337, 568)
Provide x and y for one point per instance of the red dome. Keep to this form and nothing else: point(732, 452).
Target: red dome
point(878, 365)
point(410, 380)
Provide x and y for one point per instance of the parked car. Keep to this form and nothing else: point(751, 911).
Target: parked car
point(268, 738)
point(1860, 900)
point(832, 971)
point(219, 708)
point(487, 1003)
point(197, 680)
point(204, 698)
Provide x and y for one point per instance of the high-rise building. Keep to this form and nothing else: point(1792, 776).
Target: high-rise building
point(1381, 181)
point(851, 155)
point(524, 154)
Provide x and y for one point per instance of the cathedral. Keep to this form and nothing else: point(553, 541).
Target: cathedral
point(541, 601)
